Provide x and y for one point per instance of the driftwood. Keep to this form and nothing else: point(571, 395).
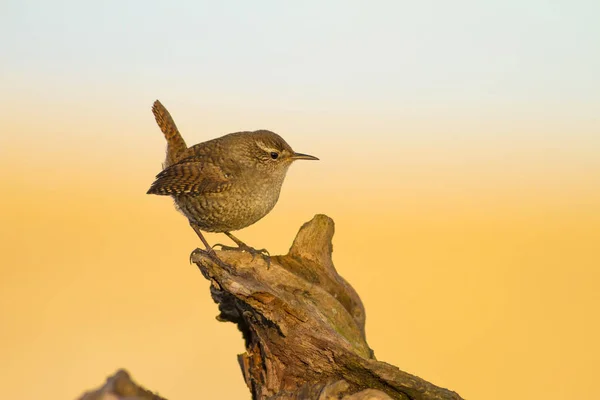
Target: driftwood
point(120, 386)
point(303, 325)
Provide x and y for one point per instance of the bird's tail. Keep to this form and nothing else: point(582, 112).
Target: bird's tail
point(175, 143)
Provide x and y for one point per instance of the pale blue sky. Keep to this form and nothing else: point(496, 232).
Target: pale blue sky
point(480, 82)
point(381, 54)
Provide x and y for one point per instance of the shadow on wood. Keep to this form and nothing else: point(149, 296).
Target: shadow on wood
point(304, 325)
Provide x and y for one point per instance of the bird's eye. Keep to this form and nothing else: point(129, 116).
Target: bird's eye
point(274, 155)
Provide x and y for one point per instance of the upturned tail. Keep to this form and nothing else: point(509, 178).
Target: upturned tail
point(175, 144)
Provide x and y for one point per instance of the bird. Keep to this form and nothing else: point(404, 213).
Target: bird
point(224, 184)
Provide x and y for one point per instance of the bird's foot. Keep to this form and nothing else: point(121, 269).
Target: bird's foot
point(264, 253)
point(210, 253)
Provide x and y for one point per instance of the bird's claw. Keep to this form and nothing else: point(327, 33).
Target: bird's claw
point(210, 253)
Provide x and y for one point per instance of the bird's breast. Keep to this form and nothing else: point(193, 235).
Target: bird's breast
point(243, 204)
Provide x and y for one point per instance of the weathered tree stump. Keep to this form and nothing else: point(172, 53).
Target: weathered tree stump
point(304, 325)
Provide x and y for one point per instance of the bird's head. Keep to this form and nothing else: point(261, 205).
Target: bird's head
point(270, 152)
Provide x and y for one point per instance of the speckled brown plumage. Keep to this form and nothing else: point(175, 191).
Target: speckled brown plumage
point(224, 184)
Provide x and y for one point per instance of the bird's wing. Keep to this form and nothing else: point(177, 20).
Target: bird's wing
point(191, 176)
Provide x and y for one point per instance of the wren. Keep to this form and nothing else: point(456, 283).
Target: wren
point(224, 184)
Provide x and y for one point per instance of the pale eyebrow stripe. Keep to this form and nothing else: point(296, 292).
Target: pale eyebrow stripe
point(266, 148)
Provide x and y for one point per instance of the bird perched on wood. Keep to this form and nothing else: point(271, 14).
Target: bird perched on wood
point(224, 184)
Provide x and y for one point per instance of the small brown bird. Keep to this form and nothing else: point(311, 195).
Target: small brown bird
point(224, 184)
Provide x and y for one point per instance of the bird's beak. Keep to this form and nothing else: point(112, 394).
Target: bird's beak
point(300, 156)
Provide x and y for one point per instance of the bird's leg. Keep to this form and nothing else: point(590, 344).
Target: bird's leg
point(244, 247)
point(196, 229)
point(209, 250)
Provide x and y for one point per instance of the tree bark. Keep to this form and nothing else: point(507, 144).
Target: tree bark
point(304, 325)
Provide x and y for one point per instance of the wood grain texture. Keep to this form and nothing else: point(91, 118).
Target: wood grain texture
point(303, 326)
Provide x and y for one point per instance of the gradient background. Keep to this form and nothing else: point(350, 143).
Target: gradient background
point(459, 145)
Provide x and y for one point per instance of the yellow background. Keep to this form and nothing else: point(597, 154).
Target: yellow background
point(469, 226)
